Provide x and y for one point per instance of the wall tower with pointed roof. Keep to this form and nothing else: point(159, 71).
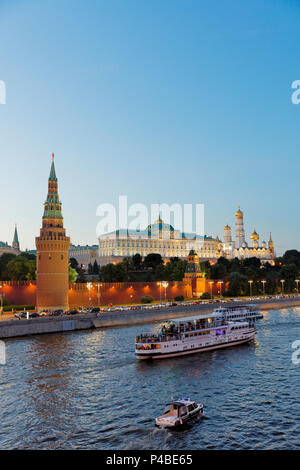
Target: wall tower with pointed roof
point(52, 252)
point(15, 243)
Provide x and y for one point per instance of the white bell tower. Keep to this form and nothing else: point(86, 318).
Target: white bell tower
point(239, 228)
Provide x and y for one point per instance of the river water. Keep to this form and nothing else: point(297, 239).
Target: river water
point(86, 390)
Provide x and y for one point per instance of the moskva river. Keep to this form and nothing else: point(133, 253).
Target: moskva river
point(86, 390)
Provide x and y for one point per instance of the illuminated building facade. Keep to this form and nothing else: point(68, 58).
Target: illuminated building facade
point(84, 255)
point(240, 248)
point(52, 253)
point(158, 238)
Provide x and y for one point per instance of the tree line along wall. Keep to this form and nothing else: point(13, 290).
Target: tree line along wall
point(24, 292)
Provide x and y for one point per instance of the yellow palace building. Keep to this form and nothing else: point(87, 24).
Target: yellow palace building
point(159, 238)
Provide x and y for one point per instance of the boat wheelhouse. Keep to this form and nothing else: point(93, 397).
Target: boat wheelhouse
point(239, 312)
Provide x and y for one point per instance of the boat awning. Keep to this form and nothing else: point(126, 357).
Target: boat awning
point(178, 403)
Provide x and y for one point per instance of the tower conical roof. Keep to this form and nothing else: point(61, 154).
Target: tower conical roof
point(52, 206)
point(52, 176)
point(16, 239)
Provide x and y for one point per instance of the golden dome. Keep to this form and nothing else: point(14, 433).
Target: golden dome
point(159, 220)
point(254, 235)
point(227, 227)
point(239, 213)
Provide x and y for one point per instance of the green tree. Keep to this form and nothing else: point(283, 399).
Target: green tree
point(218, 271)
point(174, 270)
point(4, 260)
point(292, 257)
point(73, 262)
point(20, 268)
point(159, 273)
point(272, 279)
point(96, 267)
point(113, 273)
point(136, 261)
point(147, 299)
point(152, 260)
point(253, 263)
point(289, 273)
point(73, 274)
point(81, 274)
point(238, 284)
point(205, 269)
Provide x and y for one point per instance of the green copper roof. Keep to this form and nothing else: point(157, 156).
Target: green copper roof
point(16, 239)
point(193, 268)
point(52, 176)
point(52, 207)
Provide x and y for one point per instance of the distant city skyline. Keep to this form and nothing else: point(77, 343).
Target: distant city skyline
point(156, 101)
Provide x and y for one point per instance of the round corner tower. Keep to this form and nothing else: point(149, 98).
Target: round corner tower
point(52, 253)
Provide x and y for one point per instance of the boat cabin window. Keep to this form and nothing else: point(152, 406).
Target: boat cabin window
point(173, 408)
point(190, 407)
point(182, 411)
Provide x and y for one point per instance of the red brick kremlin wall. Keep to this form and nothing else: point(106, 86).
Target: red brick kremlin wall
point(24, 292)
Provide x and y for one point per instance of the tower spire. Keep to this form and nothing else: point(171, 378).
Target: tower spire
point(52, 176)
point(271, 244)
point(15, 243)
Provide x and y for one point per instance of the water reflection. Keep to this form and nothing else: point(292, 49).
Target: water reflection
point(87, 390)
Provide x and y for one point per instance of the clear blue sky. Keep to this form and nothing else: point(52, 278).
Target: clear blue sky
point(183, 101)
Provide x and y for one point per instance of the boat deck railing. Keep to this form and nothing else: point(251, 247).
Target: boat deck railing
point(156, 338)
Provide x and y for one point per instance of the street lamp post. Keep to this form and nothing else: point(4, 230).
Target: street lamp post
point(159, 284)
point(89, 286)
point(99, 284)
point(282, 286)
point(1, 297)
point(211, 288)
point(220, 282)
point(165, 285)
point(250, 285)
point(263, 283)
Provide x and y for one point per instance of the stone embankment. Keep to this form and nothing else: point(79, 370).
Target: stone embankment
point(15, 328)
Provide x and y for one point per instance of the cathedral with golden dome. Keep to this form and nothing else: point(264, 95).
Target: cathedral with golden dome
point(239, 248)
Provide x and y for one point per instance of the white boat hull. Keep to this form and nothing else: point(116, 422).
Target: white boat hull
point(228, 344)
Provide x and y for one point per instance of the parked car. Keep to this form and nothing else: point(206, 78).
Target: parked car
point(34, 315)
point(21, 315)
point(56, 313)
point(95, 310)
point(43, 313)
point(72, 312)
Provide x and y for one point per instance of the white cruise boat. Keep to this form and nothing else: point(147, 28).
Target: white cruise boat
point(206, 333)
point(239, 312)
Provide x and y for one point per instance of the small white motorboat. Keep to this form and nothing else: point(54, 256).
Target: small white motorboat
point(179, 412)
